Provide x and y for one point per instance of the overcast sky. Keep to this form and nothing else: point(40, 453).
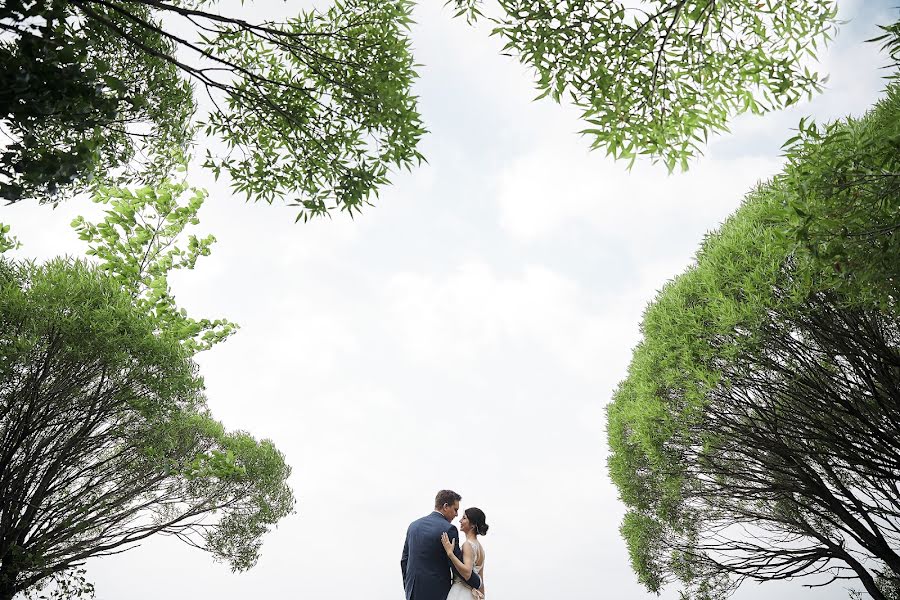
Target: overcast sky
point(465, 333)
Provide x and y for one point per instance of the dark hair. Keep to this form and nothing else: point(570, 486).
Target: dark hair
point(446, 497)
point(476, 518)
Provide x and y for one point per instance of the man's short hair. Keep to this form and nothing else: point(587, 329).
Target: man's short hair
point(446, 497)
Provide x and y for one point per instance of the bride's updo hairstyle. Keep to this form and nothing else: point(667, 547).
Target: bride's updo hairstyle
point(476, 518)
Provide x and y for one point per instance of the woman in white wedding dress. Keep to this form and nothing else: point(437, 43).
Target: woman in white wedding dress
point(471, 525)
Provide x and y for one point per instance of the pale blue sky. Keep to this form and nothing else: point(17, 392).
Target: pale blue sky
point(465, 333)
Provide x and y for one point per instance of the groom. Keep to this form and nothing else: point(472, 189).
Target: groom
point(425, 566)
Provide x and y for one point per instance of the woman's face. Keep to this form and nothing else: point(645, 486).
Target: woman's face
point(464, 524)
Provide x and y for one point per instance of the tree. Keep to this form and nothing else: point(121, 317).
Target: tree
point(756, 434)
point(314, 109)
point(105, 438)
point(657, 78)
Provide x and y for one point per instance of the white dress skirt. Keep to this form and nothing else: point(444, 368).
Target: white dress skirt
point(459, 590)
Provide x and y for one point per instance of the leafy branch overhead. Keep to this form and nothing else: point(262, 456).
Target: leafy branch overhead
point(659, 78)
point(81, 105)
point(315, 109)
point(141, 241)
point(322, 108)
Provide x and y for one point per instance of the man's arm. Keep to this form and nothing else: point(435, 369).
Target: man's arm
point(404, 558)
point(474, 581)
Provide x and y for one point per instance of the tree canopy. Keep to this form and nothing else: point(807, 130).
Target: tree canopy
point(756, 434)
point(105, 438)
point(317, 109)
point(844, 182)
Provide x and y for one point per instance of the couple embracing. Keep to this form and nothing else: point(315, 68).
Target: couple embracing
point(435, 565)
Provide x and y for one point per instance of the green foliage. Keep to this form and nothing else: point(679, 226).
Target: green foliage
point(322, 122)
point(658, 79)
point(744, 436)
point(644, 535)
point(106, 437)
point(315, 110)
point(7, 241)
point(844, 181)
point(83, 106)
point(470, 9)
point(141, 241)
point(64, 585)
point(890, 43)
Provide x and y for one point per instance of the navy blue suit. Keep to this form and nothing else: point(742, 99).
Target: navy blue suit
point(425, 566)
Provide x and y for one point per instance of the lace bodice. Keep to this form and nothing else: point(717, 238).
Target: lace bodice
point(476, 547)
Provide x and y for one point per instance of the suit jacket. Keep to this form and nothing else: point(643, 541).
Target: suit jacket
point(424, 564)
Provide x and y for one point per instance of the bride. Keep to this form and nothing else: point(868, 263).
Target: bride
point(471, 525)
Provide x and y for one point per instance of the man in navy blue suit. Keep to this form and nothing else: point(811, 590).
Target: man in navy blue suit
point(427, 572)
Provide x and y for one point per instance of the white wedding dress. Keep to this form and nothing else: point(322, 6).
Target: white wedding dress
point(459, 590)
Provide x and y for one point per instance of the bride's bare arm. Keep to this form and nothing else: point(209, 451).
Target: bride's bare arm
point(464, 567)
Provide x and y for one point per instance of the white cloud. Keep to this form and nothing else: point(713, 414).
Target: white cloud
point(554, 189)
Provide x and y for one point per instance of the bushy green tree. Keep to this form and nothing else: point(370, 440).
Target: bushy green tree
point(105, 438)
point(757, 433)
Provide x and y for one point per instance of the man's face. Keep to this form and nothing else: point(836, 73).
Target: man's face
point(450, 511)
